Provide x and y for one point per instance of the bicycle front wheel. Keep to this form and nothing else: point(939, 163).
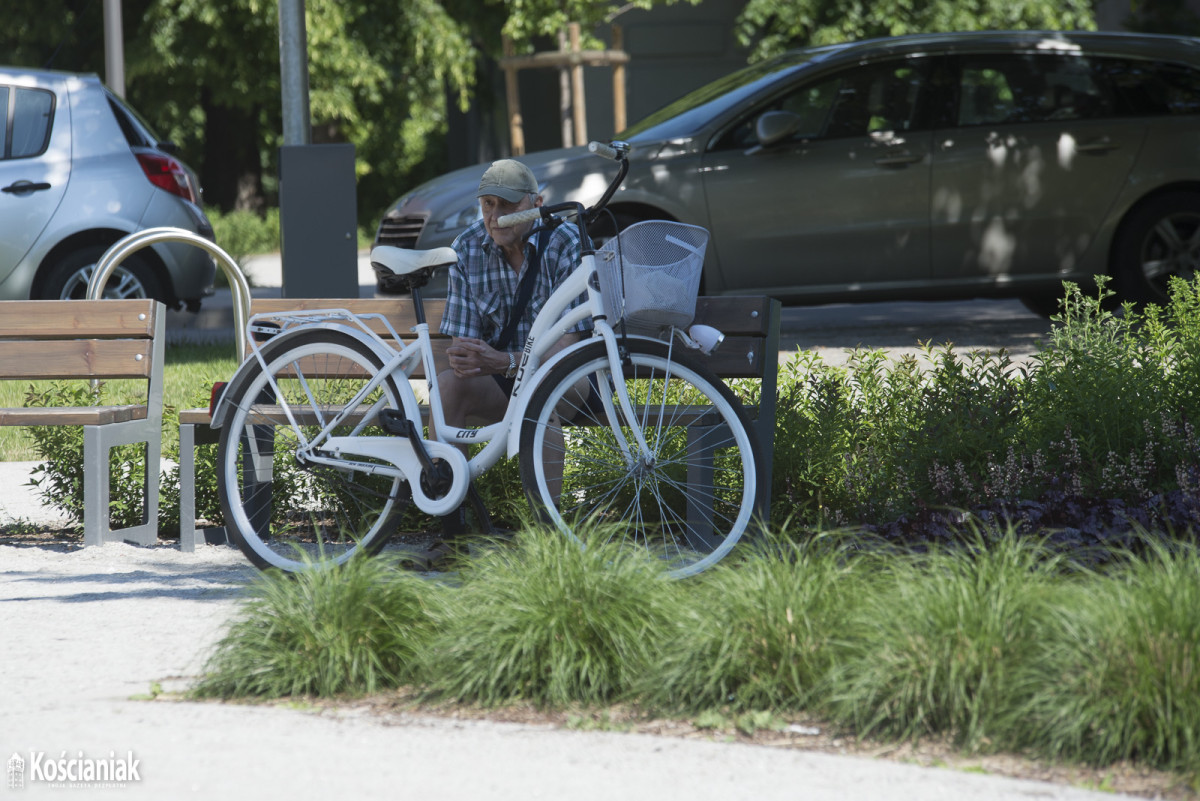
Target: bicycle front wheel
point(687, 496)
point(282, 510)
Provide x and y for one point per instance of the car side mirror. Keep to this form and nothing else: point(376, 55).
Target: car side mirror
point(775, 126)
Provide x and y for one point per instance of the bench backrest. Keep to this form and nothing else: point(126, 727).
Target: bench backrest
point(89, 339)
point(745, 321)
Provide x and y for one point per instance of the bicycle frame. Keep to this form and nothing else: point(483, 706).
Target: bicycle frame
point(500, 438)
point(553, 321)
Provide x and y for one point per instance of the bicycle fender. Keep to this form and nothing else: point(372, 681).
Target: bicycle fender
point(233, 388)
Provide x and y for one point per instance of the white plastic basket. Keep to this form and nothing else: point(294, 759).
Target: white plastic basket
point(650, 273)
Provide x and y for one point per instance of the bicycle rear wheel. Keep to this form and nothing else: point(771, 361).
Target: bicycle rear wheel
point(688, 498)
point(288, 513)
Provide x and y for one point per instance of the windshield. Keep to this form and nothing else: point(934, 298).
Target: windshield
point(694, 110)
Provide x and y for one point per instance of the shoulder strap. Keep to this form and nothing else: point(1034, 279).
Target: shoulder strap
point(524, 292)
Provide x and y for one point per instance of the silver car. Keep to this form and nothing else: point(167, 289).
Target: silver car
point(916, 167)
point(78, 171)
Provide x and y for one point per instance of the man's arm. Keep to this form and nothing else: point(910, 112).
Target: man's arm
point(472, 357)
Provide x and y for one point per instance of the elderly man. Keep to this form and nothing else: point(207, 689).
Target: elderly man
point(501, 280)
point(481, 313)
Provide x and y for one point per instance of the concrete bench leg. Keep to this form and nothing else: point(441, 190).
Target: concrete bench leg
point(98, 442)
point(189, 534)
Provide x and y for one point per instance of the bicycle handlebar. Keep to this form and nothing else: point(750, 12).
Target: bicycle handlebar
point(601, 149)
point(518, 217)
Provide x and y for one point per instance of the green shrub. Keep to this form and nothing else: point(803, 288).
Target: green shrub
point(1106, 411)
point(204, 488)
point(60, 477)
point(245, 233)
point(757, 632)
point(1118, 673)
point(550, 623)
point(936, 648)
point(349, 631)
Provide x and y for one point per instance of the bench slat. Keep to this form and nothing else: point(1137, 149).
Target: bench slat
point(78, 358)
point(69, 319)
point(735, 315)
point(70, 415)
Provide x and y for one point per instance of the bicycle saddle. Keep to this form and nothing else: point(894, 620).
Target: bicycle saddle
point(400, 269)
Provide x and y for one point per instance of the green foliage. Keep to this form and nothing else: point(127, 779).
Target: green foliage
point(1118, 675)
point(59, 479)
point(529, 19)
point(204, 487)
point(758, 632)
point(550, 623)
point(1106, 410)
point(935, 647)
point(862, 442)
point(771, 26)
point(994, 642)
point(245, 233)
point(352, 630)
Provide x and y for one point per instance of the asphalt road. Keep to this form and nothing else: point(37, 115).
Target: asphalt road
point(898, 327)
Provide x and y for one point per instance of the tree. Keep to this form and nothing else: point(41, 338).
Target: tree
point(379, 70)
point(772, 26)
point(384, 75)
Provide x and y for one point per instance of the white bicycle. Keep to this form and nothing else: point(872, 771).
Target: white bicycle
point(658, 452)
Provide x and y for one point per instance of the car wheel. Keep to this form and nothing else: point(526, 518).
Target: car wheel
point(1159, 240)
point(132, 278)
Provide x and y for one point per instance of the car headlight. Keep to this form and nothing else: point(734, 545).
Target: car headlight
point(462, 219)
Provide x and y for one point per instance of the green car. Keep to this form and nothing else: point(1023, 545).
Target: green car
point(987, 164)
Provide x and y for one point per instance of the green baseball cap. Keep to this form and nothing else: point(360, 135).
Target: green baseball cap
point(508, 179)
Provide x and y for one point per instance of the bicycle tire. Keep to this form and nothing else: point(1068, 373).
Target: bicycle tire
point(281, 512)
point(646, 501)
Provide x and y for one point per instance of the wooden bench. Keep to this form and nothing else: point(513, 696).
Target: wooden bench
point(93, 340)
point(750, 350)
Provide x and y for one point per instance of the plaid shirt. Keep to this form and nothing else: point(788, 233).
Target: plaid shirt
point(483, 287)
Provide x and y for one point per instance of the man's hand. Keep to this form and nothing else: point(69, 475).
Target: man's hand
point(471, 357)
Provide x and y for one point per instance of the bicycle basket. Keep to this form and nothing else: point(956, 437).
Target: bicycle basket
point(650, 273)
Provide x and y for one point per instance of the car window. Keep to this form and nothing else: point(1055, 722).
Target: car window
point(27, 120)
point(137, 132)
point(698, 108)
point(1148, 88)
point(876, 98)
point(995, 89)
point(855, 102)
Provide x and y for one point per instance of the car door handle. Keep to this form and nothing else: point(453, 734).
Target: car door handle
point(21, 187)
point(899, 160)
point(1099, 146)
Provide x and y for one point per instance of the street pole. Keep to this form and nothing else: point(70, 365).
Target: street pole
point(114, 48)
point(293, 73)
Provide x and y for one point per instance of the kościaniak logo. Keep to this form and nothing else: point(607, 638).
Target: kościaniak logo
point(16, 772)
point(73, 771)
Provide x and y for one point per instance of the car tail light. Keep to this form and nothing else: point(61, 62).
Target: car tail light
point(168, 174)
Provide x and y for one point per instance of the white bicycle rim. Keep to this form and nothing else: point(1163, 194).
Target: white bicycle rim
point(656, 502)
